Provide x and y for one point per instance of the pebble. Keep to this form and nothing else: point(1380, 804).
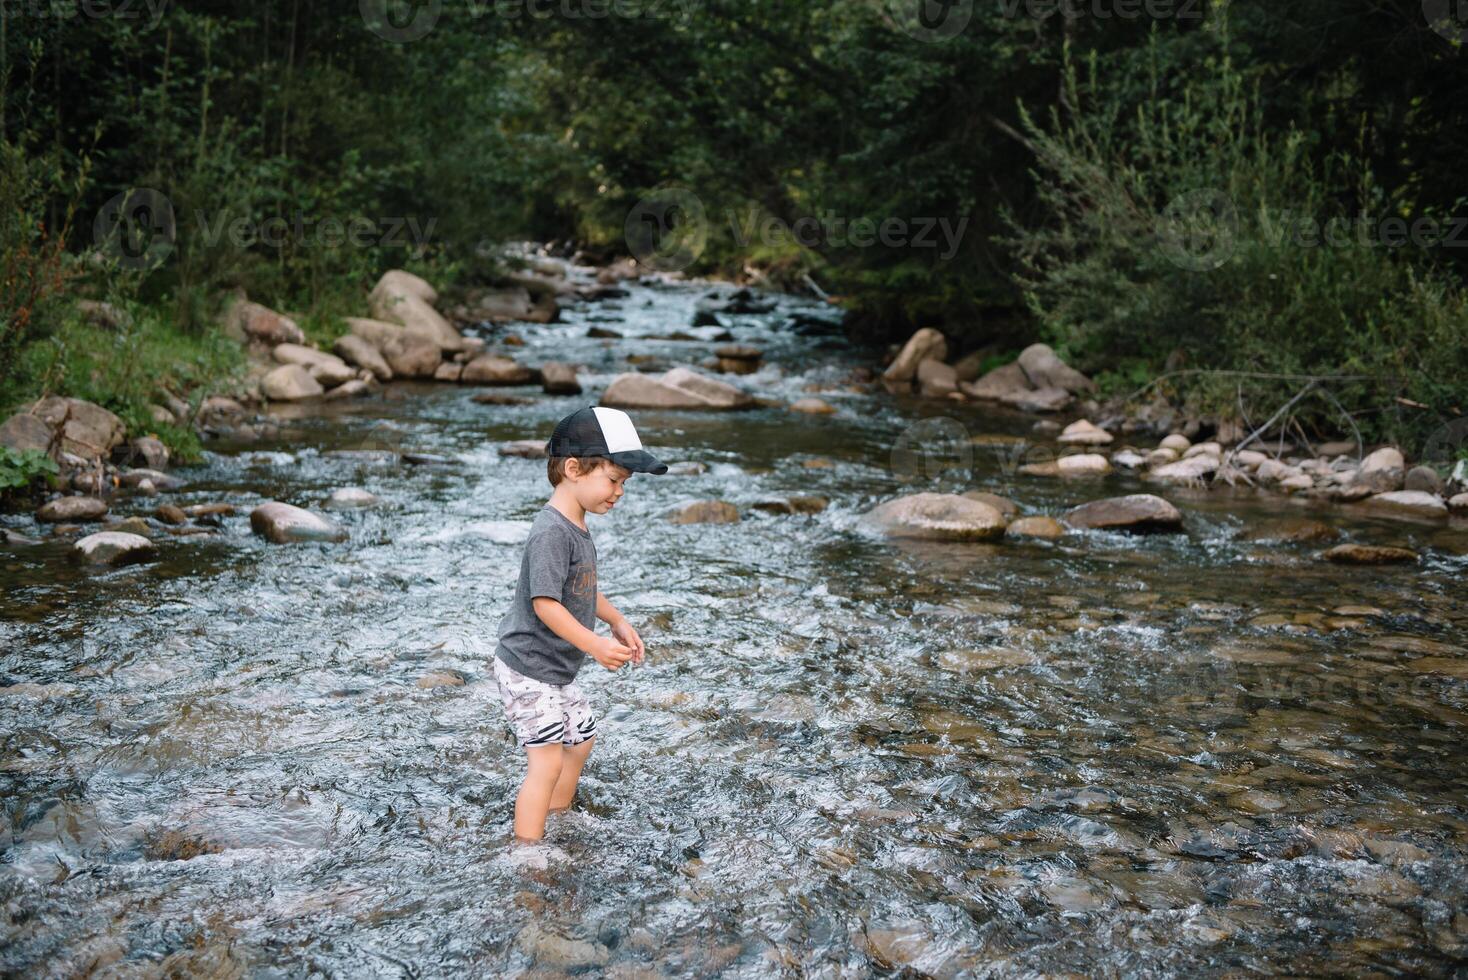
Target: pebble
point(1363, 554)
point(441, 678)
point(705, 512)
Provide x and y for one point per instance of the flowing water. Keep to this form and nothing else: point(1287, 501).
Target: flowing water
point(845, 756)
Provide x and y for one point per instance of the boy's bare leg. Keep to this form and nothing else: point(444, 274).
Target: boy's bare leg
point(534, 799)
point(572, 759)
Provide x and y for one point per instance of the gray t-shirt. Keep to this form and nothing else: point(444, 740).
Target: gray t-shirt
point(559, 562)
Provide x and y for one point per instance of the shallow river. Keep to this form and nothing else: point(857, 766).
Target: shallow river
point(1188, 754)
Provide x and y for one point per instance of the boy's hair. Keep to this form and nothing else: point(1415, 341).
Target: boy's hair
point(555, 466)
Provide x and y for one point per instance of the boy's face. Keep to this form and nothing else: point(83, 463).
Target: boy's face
point(599, 490)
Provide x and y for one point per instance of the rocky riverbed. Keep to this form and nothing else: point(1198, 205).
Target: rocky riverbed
point(1023, 723)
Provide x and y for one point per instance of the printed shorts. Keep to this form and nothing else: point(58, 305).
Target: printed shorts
point(541, 713)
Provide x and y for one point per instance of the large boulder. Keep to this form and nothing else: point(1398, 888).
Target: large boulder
point(413, 356)
point(1045, 369)
point(283, 524)
point(937, 517)
point(328, 369)
point(246, 321)
point(87, 431)
point(26, 431)
point(1138, 513)
point(926, 344)
point(290, 383)
point(401, 297)
point(678, 388)
point(1382, 472)
point(363, 353)
point(378, 333)
point(492, 369)
point(113, 548)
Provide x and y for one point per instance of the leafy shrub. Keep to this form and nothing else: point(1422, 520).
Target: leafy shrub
point(23, 469)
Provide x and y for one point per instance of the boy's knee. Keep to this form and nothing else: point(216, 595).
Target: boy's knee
point(546, 762)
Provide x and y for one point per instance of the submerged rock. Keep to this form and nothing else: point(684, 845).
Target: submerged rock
point(1413, 502)
point(351, 498)
point(705, 512)
point(525, 448)
point(937, 517)
point(1365, 554)
point(1047, 528)
point(71, 509)
point(284, 524)
point(812, 406)
point(492, 369)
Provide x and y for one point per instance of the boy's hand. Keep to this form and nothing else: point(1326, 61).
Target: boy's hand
point(609, 653)
point(624, 632)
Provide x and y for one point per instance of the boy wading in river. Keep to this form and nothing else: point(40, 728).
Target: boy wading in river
point(548, 631)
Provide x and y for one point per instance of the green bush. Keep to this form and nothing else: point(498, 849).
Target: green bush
point(1177, 235)
point(22, 470)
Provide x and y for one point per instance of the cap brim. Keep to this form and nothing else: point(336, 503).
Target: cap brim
point(639, 461)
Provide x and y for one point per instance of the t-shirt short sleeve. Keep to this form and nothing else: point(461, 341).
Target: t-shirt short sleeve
point(548, 559)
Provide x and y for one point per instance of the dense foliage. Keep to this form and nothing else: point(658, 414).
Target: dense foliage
point(1023, 169)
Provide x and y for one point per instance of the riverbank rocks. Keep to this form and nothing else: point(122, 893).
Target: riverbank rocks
point(403, 298)
point(1139, 513)
point(113, 548)
point(1038, 400)
point(1190, 471)
point(448, 371)
point(412, 356)
point(936, 517)
point(1423, 479)
point(1382, 471)
point(559, 378)
point(283, 524)
point(246, 321)
point(679, 388)
point(79, 428)
point(364, 354)
point(493, 369)
point(1085, 433)
point(705, 512)
point(1365, 554)
point(1045, 528)
point(328, 369)
point(997, 384)
point(1415, 503)
point(25, 432)
point(926, 344)
point(1459, 504)
point(70, 510)
point(290, 383)
point(936, 379)
point(1044, 369)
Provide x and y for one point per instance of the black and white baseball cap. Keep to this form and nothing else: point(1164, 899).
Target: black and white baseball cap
point(603, 432)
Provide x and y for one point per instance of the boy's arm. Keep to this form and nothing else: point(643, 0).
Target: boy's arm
point(606, 612)
point(610, 653)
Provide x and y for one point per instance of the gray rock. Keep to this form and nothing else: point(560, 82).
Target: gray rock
point(377, 333)
point(936, 379)
point(72, 509)
point(559, 378)
point(1362, 554)
point(114, 548)
point(1047, 528)
point(328, 369)
point(283, 524)
point(549, 949)
point(162, 481)
point(679, 388)
point(1424, 479)
point(412, 356)
point(1412, 502)
point(401, 297)
point(152, 451)
point(25, 431)
point(355, 388)
point(1039, 400)
point(525, 449)
point(1137, 513)
point(937, 517)
point(492, 369)
point(998, 384)
point(1044, 369)
point(246, 320)
point(351, 498)
point(87, 431)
